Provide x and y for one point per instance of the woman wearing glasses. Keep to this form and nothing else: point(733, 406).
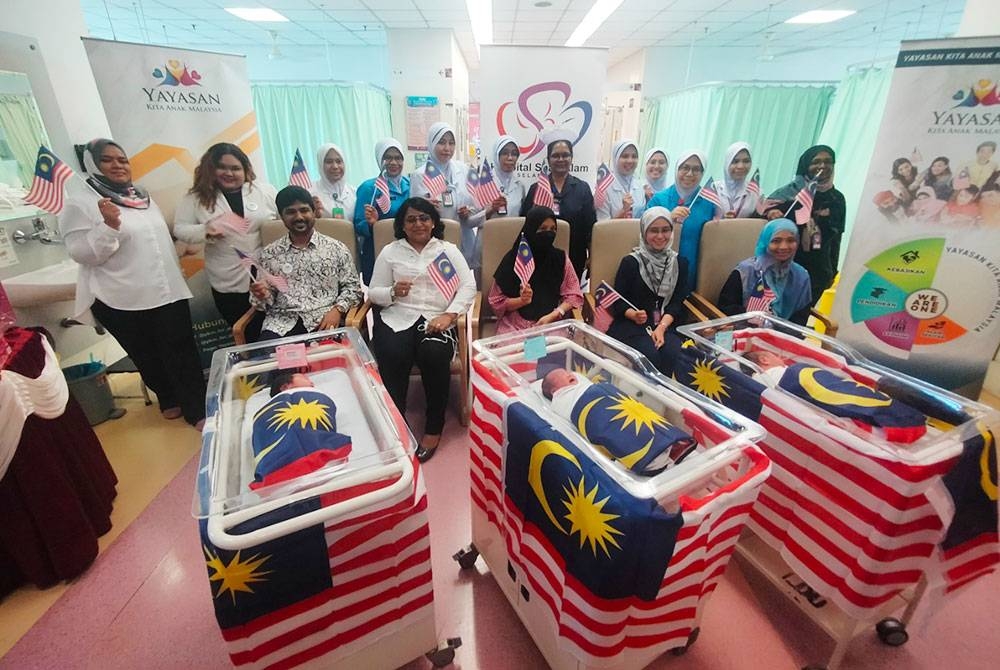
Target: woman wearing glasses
point(422, 284)
point(389, 158)
point(224, 211)
point(652, 281)
point(687, 208)
point(819, 237)
point(574, 201)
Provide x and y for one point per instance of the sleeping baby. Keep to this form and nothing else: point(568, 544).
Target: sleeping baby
point(295, 432)
point(622, 427)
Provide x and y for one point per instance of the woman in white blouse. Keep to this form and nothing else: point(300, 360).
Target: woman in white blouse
point(131, 281)
point(224, 210)
point(336, 197)
point(422, 284)
point(625, 198)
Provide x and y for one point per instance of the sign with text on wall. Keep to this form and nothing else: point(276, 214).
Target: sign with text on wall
point(166, 107)
point(920, 285)
point(422, 111)
point(531, 93)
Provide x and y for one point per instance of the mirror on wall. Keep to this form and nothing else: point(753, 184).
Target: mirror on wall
point(21, 133)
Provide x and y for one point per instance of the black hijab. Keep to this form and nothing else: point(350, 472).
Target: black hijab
point(123, 195)
point(550, 265)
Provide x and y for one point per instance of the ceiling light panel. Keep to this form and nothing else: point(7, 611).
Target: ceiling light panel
point(816, 16)
point(597, 15)
point(257, 14)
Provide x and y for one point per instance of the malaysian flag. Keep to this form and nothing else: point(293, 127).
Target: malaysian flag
point(761, 298)
point(855, 522)
point(434, 181)
point(299, 176)
point(701, 533)
point(233, 221)
point(753, 186)
point(443, 274)
point(709, 193)
point(381, 195)
point(604, 180)
point(472, 184)
point(47, 186)
point(346, 583)
point(524, 264)
point(804, 199)
point(488, 189)
point(251, 264)
point(604, 297)
point(543, 190)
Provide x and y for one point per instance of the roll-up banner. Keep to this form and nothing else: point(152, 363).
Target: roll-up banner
point(920, 285)
point(534, 93)
point(166, 106)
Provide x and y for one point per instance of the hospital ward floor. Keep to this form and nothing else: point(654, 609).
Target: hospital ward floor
point(145, 602)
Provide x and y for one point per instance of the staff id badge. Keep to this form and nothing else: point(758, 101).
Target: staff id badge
point(447, 199)
point(555, 207)
point(337, 213)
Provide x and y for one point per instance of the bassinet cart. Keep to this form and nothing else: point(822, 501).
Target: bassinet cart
point(332, 568)
point(851, 526)
point(557, 521)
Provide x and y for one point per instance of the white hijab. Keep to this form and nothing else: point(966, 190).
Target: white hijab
point(735, 188)
point(660, 183)
point(434, 135)
point(501, 176)
point(686, 194)
point(381, 147)
point(616, 153)
point(339, 188)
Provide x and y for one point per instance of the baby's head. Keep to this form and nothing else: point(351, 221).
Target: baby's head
point(289, 380)
point(557, 379)
point(765, 360)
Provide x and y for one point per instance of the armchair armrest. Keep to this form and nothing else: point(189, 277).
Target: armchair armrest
point(240, 327)
point(829, 324)
point(358, 318)
point(474, 314)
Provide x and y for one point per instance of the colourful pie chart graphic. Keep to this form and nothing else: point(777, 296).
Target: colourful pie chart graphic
point(903, 298)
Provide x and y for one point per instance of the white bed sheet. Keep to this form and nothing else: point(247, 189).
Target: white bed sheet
point(351, 420)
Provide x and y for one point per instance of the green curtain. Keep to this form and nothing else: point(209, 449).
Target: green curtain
point(304, 116)
point(851, 129)
point(779, 121)
point(22, 125)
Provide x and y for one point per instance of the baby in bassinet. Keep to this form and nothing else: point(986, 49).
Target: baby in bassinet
point(295, 432)
point(867, 407)
point(624, 428)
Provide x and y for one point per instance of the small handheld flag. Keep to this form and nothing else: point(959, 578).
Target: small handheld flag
point(805, 199)
point(434, 181)
point(249, 262)
point(472, 184)
point(443, 274)
point(380, 197)
point(709, 193)
point(604, 181)
point(299, 175)
point(543, 189)
point(233, 221)
point(47, 186)
point(488, 189)
point(753, 186)
point(605, 296)
point(524, 264)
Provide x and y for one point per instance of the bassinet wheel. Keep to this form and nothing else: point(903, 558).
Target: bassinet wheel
point(444, 654)
point(680, 651)
point(467, 557)
point(892, 632)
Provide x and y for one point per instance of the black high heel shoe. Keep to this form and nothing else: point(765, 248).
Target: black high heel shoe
point(425, 453)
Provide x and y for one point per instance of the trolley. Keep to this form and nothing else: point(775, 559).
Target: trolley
point(562, 549)
point(853, 527)
point(330, 568)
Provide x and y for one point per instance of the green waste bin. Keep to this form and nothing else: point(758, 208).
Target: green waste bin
point(88, 384)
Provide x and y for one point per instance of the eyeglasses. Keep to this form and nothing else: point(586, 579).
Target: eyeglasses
point(422, 218)
point(510, 154)
point(392, 159)
point(690, 169)
point(821, 161)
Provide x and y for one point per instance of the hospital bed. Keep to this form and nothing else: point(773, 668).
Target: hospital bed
point(332, 568)
point(559, 523)
point(851, 526)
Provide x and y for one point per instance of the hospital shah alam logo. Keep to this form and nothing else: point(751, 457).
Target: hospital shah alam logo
point(176, 73)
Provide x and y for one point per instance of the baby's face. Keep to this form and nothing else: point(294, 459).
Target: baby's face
point(300, 381)
point(561, 378)
point(767, 360)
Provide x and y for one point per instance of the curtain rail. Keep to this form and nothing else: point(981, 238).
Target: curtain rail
point(316, 82)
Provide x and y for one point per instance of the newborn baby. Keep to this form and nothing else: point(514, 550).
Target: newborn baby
point(867, 407)
point(295, 432)
point(622, 427)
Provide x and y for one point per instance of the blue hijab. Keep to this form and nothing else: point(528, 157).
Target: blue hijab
point(788, 279)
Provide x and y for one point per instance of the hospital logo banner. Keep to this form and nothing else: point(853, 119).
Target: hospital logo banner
point(166, 107)
point(536, 93)
point(920, 285)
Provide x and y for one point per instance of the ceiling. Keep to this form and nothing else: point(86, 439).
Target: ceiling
point(878, 24)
